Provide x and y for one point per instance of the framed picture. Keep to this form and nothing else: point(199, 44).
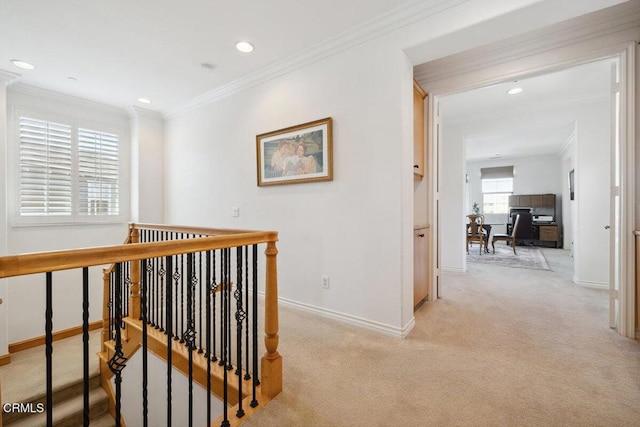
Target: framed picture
point(571, 185)
point(296, 154)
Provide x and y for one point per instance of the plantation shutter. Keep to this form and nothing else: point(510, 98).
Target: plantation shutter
point(98, 186)
point(45, 168)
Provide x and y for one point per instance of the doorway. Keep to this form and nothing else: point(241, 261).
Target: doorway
point(578, 218)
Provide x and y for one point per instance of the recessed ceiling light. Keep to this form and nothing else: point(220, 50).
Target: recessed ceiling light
point(72, 79)
point(245, 47)
point(514, 90)
point(144, 100)
point(22, 64)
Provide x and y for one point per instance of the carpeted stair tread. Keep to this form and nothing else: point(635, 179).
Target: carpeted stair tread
point(69, 412)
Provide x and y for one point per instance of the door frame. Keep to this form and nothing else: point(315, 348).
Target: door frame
point(543, 64)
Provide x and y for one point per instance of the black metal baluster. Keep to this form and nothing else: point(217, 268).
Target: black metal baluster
point(214, 288)
point(182, 295)
point(200, 351)
point(228, 316)
point(112, 304)
point(223, 284)
point(85, 344)
point(118, 361)
point(169, 326)
point(254, 332)
point(143, 300)
point(162, 273)
point(208, 332)
point(177, 273)
point(125, 291)
point(48, 326)
point(239, 319)
point(224, 338)
point(189, 334)
point(247, 376)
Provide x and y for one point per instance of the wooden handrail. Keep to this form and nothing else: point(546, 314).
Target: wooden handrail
point(190, 230)
point(17, 265)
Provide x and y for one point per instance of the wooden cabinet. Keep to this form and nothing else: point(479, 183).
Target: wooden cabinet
point(419, 96)
point(548, 233)
point(420, 264)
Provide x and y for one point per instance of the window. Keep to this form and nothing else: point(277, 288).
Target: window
point(497, 186)
point(66, 172)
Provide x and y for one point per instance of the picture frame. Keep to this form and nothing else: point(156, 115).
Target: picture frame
point(296, 154)
point(571, 185)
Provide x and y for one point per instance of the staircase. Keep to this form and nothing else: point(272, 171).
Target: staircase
point(22, 383)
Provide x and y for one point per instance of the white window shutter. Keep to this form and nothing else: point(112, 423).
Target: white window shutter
point(98, 184)
point(45, 168)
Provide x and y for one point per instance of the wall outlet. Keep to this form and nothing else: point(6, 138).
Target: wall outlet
point(235, 212)
point(325, 282)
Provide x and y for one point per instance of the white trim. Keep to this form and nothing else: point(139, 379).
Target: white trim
point(353, 320)
point(592, 285)
point(400, 17)
point(453, 270)
point(8, 77)
point(581, 40)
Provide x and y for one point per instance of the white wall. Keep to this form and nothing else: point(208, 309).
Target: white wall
point(131, 399)
point(25, 301)
point(350, 229)
point(147, 167)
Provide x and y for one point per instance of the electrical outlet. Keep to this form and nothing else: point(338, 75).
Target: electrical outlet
point(235, 212)
point(325, 282)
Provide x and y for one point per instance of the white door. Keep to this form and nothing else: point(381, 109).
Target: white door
point(614, 212)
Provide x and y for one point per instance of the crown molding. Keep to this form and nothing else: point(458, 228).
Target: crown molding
point(135, 111)
point(622, 20)
point(398, 18)
point(50, 95)
point(8, 77)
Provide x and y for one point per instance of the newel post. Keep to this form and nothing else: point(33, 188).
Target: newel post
point(271, 382)
point(134, 296)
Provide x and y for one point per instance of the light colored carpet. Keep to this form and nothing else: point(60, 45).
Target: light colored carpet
point(503, 347)
point(525, 257)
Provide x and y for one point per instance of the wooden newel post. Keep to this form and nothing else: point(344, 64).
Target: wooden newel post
point(134, 296)
point(271, 382)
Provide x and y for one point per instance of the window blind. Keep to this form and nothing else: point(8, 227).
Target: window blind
point(45, 168)
point(98, 188)
point(497, 172)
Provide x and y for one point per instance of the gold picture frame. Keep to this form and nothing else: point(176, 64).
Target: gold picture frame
point(297, 154)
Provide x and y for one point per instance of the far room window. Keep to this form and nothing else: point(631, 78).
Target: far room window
point(497, 186)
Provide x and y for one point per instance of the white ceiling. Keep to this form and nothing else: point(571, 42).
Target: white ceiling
point(496, 123)
point(121, 50)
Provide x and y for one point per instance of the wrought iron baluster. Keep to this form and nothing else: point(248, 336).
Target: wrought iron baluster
point(189, 334)
point(208, 332)
point(182, 295)
point(85, 345)
point(169, 327)
point(225, 320)
point(247, 376)
point(254, 331)
point(240, 315)
point(200, 351)
point(118, 361)
point(228, 316)
point(222, 285)
point(214, 287)
point(147, 272)
point(49, 345)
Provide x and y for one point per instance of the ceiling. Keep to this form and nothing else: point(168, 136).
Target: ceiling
point(498, 125)
point(117, 51)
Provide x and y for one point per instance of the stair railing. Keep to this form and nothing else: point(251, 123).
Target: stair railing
point(158, 267)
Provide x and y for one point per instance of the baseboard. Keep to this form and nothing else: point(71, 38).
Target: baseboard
point(592, 285)
point(5, 359)
point(354, 320)
point(65, 333)
point(452, 270)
